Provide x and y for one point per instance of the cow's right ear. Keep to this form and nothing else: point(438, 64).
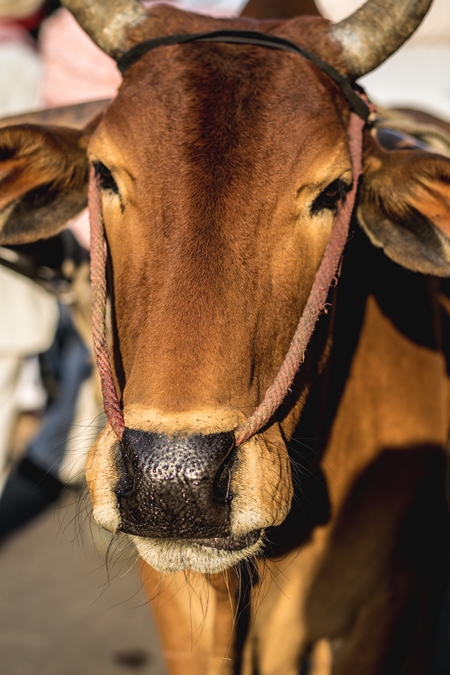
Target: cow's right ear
point(43, 180)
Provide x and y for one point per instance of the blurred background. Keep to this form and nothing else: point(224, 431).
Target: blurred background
point(70, 596)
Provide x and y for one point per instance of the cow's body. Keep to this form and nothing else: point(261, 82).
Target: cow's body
point(367, 458)
point(367, 528)
point(323, 536)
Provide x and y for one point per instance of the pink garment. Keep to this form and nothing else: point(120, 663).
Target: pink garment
point(75, 69)
point(80, 227)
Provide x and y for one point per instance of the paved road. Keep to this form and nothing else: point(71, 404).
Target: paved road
point(63, 613)
point(58, 613)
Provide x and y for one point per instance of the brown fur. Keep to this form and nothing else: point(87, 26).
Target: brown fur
point(261, 9)
point(219, 154)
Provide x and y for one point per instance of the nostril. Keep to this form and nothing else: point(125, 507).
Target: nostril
point(221, 484)
point(175, 486)
point(124, 487)
point(126, 483)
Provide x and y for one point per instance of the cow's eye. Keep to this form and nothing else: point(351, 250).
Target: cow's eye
point(329, 198)
point(105, 178)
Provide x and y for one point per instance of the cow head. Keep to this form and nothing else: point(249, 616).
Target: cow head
point(221, 169)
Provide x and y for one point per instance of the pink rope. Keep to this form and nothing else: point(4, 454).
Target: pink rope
point(276, 393)
point(98, 281)
point(327, 271)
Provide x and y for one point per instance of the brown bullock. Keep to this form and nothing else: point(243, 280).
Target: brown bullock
point(321, 539)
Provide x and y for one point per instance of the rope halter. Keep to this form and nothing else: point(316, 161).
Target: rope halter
point(327, 272)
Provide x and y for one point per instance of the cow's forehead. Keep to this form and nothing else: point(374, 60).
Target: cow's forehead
point(217, 104)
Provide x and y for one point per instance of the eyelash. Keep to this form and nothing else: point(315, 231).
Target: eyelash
point(329, 198)
point(105, 178)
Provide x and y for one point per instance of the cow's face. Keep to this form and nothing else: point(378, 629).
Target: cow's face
point(221, 170)
point(219, 193)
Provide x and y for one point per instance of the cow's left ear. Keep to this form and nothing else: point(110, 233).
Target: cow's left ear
point(404, 207)
point(43, 180)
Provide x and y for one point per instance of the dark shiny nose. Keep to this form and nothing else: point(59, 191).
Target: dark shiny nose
point(175, 487)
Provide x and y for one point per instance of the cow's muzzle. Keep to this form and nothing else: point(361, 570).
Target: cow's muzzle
point(175, 487)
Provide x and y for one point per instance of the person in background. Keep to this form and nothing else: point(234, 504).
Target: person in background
point(38, 338)
point(20, 62)
point(41, 320)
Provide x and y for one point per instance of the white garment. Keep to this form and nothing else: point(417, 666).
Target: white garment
point(416, 76)
point(10, 368)
point(219, 8)
point(20, 79)
point(28, 315)
point(28, 318)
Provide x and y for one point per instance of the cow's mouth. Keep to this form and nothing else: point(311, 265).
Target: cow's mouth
point(207, 556)
point(229, 543)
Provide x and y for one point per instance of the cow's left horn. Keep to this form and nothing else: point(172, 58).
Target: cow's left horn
point(375, 31)
point(107, 21)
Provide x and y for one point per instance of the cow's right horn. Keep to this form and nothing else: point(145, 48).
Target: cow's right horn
point(375, 31)
point(107, 21)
